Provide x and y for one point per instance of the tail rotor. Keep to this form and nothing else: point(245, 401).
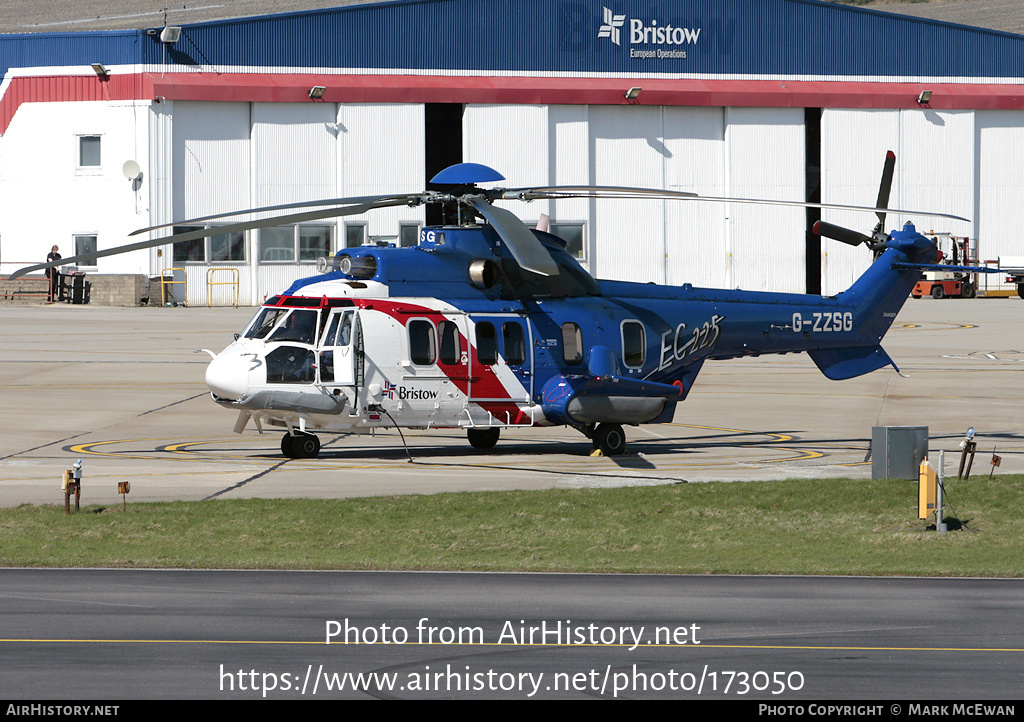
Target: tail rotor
point(878, 238)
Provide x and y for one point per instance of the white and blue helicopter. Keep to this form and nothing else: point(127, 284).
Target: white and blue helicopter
point(489, 325)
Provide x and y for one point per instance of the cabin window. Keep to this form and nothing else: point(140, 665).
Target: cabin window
point(451, 343)
point(572, 344)
point(422, 344)
point(633, 344)
point(515, 343)
point(290, 365)
point(486, 343)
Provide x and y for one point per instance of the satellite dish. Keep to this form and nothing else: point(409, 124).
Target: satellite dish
point(131, 170)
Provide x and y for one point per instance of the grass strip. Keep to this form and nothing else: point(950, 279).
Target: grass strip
point(802, 526)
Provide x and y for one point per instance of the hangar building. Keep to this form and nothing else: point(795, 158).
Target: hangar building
point(781, 99)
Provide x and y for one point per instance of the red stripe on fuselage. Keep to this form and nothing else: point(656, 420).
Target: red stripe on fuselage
point(486, 383)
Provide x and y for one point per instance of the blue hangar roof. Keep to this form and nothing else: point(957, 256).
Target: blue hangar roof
point(780, 38)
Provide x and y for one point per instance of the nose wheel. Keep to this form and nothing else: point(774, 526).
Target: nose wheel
point(300, 445)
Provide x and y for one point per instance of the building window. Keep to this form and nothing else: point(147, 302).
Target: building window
point(571, 233)
point(88, 151)
point(227, 247)
point(408, 234)
point(85, 244)
point(314, 242)
point(216, 248)
point(288, 243)
point(355, 235)
point(277, 244)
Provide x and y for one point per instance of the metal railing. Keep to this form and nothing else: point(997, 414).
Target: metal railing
point(165, 282)
point(210, 283)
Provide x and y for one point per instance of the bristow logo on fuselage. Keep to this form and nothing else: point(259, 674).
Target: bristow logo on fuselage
point(402, 393)
point(645, 34)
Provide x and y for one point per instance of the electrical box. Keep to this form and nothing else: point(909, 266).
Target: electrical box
point(897, 451)
point(927, 483)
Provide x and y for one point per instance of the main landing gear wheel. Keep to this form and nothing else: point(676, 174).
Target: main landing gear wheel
point(300, 446)
point(483, 438)
point(610, 439)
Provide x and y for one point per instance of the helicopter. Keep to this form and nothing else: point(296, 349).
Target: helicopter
point(487, 324)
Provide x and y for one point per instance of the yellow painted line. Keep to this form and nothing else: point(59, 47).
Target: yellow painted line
point(583, 465)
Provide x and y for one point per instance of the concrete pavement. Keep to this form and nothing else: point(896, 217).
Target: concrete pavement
point(122, 389)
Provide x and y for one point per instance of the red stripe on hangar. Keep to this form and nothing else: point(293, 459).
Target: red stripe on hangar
point(527, 90)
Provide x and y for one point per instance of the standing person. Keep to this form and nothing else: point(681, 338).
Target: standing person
point(52, 273)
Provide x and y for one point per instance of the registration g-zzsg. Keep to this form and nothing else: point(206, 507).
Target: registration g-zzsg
point(829, 321)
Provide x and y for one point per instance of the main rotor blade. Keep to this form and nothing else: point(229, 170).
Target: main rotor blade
point(529, 252)
point(885, 186)
point(828, 230)
point(219, 230)
point(556, 192)
point(413, 199)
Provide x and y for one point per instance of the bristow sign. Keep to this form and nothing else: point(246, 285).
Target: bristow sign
point(641, 33)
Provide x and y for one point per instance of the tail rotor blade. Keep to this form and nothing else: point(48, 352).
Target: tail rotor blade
point(885, 186)
point(838, 233)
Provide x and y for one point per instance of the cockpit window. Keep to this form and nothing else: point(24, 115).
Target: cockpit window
point(300, 326)
point(339, 333)
point(291, 365)
point(264, 322)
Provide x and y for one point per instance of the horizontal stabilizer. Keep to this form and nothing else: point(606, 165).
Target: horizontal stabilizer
point(947, 268)
point(846, 363)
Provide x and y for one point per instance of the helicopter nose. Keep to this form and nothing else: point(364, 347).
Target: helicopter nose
point(228, 376)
